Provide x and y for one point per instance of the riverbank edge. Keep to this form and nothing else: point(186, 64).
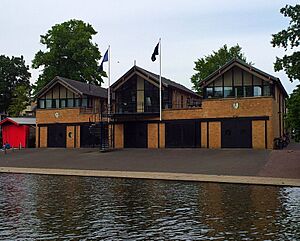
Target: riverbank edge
point(157, 176)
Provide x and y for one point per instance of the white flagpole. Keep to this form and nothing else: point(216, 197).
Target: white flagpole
point(108, 94)
point(160, 96)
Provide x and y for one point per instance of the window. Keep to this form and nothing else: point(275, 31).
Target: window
point(228, 92)
point(188, 101)
point(238, 91)
point(70, 102)
point(267, 90)
point(209, 92)
point(62, 103)
point(55, 103)
point(42, 104)
point(218, 92)
point(248, 91)
point(48, 104)
point(84, 102)
point(77, 102)
point(167, 98)
point(257, 91)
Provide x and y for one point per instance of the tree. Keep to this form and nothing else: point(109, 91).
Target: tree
point(289, 38)
point(293, 113)
point(13, 72)
point(208, 64)
point(20, 100)
point(69, 53)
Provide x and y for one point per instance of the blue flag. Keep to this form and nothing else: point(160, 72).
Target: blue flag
point(105, 59)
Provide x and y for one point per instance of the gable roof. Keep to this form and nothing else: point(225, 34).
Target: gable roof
point(166, 82)
point(75, 86)
point(19, 120)
point(246, 67)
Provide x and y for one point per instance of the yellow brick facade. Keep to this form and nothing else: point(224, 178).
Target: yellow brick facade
point(152, 135)
point(252, 107)
point(258, 134)
point(214, 135)
point(68, 116)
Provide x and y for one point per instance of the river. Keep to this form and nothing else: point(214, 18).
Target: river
point(43, 207)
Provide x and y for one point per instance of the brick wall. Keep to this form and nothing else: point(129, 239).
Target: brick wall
point(218, 108)
point(43, 137)
point(152, 135)
point(204, 134)
point(258, 134)
point(214, 134)
point(70, 136)
point(119, 136)
point(67, 115)
point(162, 135)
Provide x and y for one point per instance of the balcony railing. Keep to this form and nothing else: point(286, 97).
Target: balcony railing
point(135, 107)
point(140, 107)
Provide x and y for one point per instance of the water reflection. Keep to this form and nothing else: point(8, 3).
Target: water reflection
point(79, 208)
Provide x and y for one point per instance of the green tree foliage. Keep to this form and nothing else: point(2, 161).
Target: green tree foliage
point(69, 53)
point(13, 72)
point(208, 64)
point(293, 113)
point(20, 100)
point(289, 38)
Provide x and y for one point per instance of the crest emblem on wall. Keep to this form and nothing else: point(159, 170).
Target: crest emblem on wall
point(235, 105)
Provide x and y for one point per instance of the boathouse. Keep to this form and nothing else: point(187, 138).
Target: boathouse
point(65, 111)
point(242, 107)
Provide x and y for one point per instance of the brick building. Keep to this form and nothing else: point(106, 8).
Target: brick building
point(241, 107)
point(65, 111)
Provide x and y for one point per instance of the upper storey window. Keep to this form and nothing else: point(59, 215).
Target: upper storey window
point(237, 83)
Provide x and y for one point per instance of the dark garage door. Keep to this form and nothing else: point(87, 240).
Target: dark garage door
point(87, 137)
point(183, 134)
point(56, 135)
point(135, 135)
point(236, 133)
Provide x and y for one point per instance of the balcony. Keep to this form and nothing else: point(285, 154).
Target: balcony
point(135, 109)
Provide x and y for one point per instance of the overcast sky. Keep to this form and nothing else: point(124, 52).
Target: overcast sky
point(189, 30)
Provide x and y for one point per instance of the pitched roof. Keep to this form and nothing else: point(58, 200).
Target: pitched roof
point(166, 82)
point(76, 86)
point(237, 61)
point(19, 120)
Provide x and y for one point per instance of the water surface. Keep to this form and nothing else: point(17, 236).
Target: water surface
point(41, 207)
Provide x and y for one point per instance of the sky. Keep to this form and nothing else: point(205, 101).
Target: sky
point(189, 29)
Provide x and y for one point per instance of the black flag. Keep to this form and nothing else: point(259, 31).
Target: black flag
point(155, 52)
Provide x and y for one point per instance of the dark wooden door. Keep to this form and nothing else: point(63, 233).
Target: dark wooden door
point(236, 133)
point(183, 134)
point(56, 135)
point(135, 135)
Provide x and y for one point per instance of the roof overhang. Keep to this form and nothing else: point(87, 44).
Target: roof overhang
point(8, 120)
point(53, 82)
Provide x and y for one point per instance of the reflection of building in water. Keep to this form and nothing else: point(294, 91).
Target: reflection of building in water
point(267, 205)
point(61, 203)
point(239, 209)
point(12, 195)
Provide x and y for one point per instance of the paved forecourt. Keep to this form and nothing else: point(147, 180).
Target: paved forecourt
point(229, 166)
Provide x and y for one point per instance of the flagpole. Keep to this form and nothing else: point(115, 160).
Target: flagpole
point(108, 94)
point(160, 96)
